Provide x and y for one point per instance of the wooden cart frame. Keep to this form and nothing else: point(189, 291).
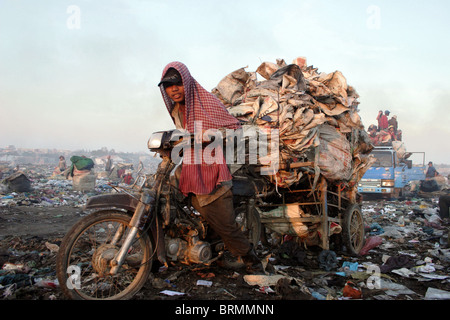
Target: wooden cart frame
point(330, 206)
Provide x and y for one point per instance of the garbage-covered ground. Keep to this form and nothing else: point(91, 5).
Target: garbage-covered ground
point(406, 256)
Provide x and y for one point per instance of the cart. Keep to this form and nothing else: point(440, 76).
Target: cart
point(317, 214)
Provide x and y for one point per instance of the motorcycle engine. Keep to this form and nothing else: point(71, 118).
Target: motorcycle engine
point(191, 251)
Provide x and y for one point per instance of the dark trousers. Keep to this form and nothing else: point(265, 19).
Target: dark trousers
point(444, 203)
point(221, 218)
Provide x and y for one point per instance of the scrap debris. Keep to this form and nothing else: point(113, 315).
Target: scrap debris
point(409, 261)
point(316, 114)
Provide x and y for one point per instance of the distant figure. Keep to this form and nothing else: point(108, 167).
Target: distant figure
point(382, 120)
point(431, 171)
point(384, 138)
point(62, 164)
point(127, 177)
point(373, 134)
point(108, 164)
point(399, 135)
point(393, 122)
point(391, 131)
point(140, 166)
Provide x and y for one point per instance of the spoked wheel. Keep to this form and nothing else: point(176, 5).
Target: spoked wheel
point(353, 229)
point(84, 259)
point(250, 224)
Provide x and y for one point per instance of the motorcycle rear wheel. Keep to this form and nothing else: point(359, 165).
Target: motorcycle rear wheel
point(83, 260)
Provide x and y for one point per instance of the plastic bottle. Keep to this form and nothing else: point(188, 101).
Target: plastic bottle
point(401, 221)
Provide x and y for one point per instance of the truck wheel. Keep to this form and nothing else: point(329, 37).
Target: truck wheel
point(353, 229)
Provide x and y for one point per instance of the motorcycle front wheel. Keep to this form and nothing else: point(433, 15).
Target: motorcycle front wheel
point(83, 260)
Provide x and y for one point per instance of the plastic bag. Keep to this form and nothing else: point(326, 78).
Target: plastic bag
point(371, 242)
point(335, 156)
point(351, 291)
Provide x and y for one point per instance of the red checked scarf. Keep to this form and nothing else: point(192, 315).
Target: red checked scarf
point(201, 106)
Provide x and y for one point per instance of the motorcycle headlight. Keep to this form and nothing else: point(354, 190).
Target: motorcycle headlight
point(155, 140)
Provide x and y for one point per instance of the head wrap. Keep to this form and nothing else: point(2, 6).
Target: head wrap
point(201, 105)
point(205, 108)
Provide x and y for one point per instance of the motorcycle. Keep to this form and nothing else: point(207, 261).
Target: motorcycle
point(109, 254)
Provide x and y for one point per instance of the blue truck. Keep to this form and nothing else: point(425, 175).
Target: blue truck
point(390, 174)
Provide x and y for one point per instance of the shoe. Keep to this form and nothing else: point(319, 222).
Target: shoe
point(252, 263)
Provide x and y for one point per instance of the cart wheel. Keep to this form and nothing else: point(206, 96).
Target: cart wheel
point(353, 229)
point(250, 224)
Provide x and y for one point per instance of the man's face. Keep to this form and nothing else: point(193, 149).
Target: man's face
point(175, 92)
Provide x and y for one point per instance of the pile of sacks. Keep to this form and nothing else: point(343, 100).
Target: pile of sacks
point(316, 115)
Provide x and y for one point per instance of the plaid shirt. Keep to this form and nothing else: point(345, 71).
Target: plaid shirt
point(202, 107)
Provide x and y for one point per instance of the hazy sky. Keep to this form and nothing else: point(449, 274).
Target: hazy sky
point(83, 74)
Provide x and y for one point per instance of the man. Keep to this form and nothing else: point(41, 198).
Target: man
point(108, 166)
point(431, 171)
point(399, 135)
point(373, 134)
point(384, 138)
point(382, 120)
point(391, 131)
point(62, 164)
point(207, 183)
point(393, 122)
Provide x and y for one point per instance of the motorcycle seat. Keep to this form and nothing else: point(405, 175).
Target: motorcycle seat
point(247, 187)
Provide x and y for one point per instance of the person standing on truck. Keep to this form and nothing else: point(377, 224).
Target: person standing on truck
point(399, 135)
point(382, 120)
point(207, 185)
point(431, 171)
